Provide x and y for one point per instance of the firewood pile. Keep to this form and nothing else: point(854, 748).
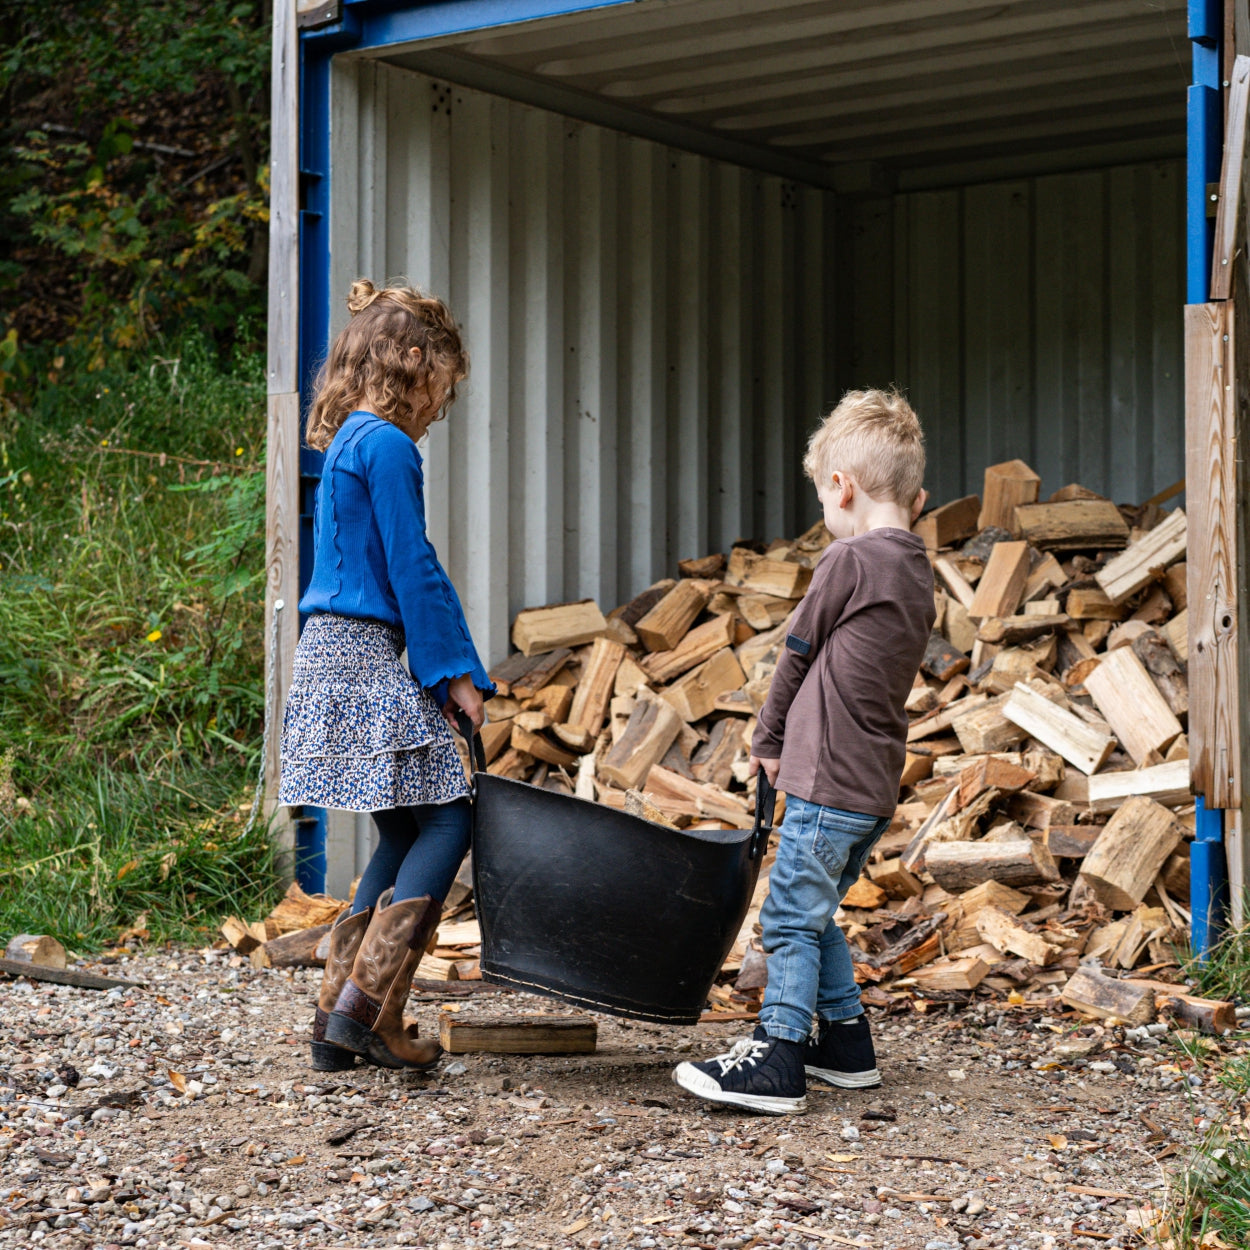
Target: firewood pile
point(1039, 845)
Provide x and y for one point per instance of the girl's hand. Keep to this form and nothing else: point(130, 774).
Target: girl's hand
point(463, 694)
point(771, 768)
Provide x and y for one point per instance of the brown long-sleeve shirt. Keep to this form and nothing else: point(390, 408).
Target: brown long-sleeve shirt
point(835, 713)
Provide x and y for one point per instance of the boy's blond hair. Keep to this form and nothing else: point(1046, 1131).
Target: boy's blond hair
point(876, 438)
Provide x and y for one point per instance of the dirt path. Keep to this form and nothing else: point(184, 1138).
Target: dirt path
point(194, 1121)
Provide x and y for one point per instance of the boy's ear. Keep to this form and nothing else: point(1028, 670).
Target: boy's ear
point(918, 504)
point(843, 482)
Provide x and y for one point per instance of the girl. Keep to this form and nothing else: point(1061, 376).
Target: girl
point(360, 733)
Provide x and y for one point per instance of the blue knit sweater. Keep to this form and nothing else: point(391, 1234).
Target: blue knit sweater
point(372, 558)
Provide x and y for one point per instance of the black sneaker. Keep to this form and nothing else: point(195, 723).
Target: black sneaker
point(842, 1054)
point(759, 1073)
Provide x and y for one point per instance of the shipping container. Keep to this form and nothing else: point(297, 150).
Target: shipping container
point(675, 231)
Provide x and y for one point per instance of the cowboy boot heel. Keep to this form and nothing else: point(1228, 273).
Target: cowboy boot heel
point(345, 938)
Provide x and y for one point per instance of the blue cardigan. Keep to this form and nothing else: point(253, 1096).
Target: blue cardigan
point(372, 558)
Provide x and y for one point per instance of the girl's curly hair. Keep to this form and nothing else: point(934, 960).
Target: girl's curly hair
point(372, 359)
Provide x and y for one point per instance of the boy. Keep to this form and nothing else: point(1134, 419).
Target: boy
point(832, 735)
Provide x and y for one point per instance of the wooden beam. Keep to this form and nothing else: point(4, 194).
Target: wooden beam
point(1210, 469)
point(282, 384)
point(1228, 208)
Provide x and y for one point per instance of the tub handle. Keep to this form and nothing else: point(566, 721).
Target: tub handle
point(765, 806)
point(473, 740)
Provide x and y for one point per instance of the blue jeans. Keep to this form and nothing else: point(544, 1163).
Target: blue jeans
point(419, 852)
point(822, 853)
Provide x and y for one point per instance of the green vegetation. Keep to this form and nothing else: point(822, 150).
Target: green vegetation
point(133, 229)
point(131, 654)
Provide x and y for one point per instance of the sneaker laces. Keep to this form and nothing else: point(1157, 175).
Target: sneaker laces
point(748, 1050)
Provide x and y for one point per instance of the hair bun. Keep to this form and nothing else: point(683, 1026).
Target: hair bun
point(362, 294)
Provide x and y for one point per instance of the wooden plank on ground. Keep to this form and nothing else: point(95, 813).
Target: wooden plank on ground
point(65, 976)
point(517, 1035)
point(1210, 471)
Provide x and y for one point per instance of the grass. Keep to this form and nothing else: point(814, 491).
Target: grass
point(131, 660)
point(1208, 1203)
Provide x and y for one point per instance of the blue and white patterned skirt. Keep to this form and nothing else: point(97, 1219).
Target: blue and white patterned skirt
point(358, 733)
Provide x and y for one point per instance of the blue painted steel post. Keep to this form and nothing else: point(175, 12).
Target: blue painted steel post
point(1208, 879)
point(1208, 874)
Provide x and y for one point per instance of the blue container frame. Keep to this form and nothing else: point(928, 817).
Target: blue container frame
point(382, 23)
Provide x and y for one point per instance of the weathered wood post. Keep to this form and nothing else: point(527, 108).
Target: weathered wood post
point(282, 447)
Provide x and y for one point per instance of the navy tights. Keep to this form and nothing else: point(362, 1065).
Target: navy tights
point(419, 852)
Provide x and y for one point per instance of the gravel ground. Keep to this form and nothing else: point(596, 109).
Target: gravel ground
point(184, 1114)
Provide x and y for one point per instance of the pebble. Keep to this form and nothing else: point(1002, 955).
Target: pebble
point(498, 1153)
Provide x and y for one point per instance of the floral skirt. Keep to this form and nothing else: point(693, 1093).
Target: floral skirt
point(358, 733)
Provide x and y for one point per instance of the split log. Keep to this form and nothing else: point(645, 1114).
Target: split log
point(653, 726)
point(240, 936)
point(952, 974)
point(1078, 524)
point(985, 728)
point(1144, 561)
point(668, 622)
point(699, 645)
point(957, 866)
point(713, 761)
point(595, 686)
point(895, 880)
point(637, 804)
point(702, 566)
point(299, 949)
point(1175, 874)
point(1090, 603)
point(536, 630)
point(865, 894)
point(1047, 576)
point(1071, 841)
point(1175, 582)
point(956, 582)
point(496, 736)
point(949, 524)
point(638, 607)
point(1176, 631)
point(1009, 935)
point(1165, 670)
point(1080, 744)
point(764, 611)
point(517, 1035)
point(1132, 848)
point(38, 949)
point(941, 659)
point(1093, 994)
point(1007, 485)
point(1167, 784)
point(1010, 631)
point(1002, 584)
point(782, 579)
point(1137, 713)
point(694, 695)
point(541, 748)
point(991, 772)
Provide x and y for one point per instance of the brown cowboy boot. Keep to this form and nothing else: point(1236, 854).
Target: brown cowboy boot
point(368, 1018)
point(345, 938)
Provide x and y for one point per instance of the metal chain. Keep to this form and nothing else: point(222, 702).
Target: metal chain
point(270, 685)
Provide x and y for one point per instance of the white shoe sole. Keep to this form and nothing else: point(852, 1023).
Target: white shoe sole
point(703, 1086)
point(845, 1080)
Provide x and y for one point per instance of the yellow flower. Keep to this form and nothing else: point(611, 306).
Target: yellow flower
point(104, 442)
point(238, 451)
point(154, 636)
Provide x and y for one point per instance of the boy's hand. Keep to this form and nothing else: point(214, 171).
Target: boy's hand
point(771, 768)
point(917, 505)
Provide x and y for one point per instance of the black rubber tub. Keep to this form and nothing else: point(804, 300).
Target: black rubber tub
point(603, 909)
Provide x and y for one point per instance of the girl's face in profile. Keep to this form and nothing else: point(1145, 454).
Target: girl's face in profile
point(427, 401)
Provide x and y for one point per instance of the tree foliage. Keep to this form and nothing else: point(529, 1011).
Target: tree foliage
point(133, 175)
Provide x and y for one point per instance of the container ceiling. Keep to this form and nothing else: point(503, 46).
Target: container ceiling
point(870, 94)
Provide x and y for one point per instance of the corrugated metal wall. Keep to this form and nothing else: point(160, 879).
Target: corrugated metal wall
point(648, 331)
point(1038, 319)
